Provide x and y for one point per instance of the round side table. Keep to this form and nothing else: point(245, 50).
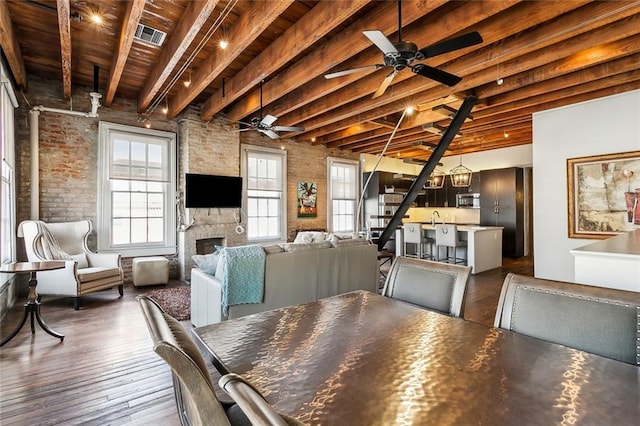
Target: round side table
point(32, 306)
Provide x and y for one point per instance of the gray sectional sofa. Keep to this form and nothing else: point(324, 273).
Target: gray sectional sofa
point(296, 273)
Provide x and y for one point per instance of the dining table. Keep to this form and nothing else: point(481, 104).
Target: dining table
point(364, 359)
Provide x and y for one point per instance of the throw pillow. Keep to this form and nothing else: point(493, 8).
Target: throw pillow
point(207, 262)
point(309, 236)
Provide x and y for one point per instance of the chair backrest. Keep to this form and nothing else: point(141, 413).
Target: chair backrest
point(433, 285)
point(194, 392)
point(71, 237)
point(599, 320)
point(412, 233)
point(446, 234)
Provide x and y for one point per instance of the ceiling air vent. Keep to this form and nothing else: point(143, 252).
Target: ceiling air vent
point(149, 35)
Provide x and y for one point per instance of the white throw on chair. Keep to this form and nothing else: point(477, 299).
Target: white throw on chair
point(447, 237)
point(414, 234)
point(84, 272)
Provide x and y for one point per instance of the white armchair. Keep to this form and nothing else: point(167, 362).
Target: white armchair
point(85, 271)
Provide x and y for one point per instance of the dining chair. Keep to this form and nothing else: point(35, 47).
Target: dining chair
point(194, 392)
point(447, 237)
point(432, 285)
point(599, 320)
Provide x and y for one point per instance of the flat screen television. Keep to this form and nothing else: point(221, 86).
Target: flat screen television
point(204, 191)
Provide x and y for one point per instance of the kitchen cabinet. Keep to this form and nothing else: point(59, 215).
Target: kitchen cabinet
point(502, 204)
point(446, 196)
point(383, 196)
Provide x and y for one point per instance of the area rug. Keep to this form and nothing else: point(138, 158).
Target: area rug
point(176, 301)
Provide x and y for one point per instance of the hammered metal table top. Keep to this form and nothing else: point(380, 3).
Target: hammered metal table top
point(364, 359)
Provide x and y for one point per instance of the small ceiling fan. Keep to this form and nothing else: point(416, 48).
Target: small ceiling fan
point(265, 124)
point(403, 54)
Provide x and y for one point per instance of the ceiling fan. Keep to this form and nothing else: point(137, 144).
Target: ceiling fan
point(403, 54)
point(265, 124)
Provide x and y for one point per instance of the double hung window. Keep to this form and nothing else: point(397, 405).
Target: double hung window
point(265, 177)
point(343, 191)
point(136, 190)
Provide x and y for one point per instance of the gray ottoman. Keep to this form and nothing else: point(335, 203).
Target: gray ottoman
point(150, 270)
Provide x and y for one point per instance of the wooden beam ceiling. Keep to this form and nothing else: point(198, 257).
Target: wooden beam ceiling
point(547, 54)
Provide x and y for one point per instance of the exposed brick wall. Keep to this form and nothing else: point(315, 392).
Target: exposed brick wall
point(68, 152)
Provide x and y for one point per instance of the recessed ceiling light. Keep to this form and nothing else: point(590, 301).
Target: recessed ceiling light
point(96, 18)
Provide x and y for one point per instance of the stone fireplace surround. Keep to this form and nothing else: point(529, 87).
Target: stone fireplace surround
point(188, 242)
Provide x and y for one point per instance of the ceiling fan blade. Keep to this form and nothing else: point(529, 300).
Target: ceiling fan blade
point(379, 39)
point(385, 83)
point(353, 70)
point(436, 74)
point(268, 120)
point(287, 129)
point(270, 133)
point(452, 44)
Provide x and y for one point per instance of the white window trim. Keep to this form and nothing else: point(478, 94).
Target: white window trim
point(104, 202)
point(330, 162)
point(9, 103)
point(245, 149)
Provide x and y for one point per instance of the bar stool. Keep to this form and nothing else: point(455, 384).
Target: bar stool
point(447, 237)
point(414, 234)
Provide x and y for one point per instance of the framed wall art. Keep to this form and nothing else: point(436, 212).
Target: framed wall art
point(603, 194)
point(307, 197)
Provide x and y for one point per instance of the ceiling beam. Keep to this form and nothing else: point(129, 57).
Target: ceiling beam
point(338, 48)
point(324, 95)
point(133, 12)
point(250, 25)
point(523, 55)
point(194, 17)
point(64, 28)
point(315, 24)
point(11, 48)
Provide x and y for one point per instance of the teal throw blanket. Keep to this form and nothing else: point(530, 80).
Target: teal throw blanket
point(244, 276)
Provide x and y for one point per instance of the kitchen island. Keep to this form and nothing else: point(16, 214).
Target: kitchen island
point(484, 245)
point(612, 263)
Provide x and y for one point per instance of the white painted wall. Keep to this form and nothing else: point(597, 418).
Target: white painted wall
point(601, 126)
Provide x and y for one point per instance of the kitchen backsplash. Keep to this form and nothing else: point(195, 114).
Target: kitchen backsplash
point(447, 214)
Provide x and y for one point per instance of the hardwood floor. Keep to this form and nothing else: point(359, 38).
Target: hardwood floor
point(105, 371)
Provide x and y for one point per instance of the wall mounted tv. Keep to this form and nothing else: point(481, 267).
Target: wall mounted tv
point(206, 191)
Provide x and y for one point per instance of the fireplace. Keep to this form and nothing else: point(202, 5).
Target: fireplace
point(202, 239)
point(208, 245)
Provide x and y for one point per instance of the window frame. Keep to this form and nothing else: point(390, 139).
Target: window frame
point(8, 104)
point(106, 130)
point(282, 154)
point(331, 161)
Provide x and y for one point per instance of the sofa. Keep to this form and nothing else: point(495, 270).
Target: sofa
point(294, 273)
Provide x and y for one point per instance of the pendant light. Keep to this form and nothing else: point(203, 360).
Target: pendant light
point(460, 175)
point(436, 180)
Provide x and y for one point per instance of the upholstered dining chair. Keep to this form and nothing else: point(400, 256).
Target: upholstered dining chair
point(599, 320)
point(84, 272)
point(432, 285)
point(193, 389)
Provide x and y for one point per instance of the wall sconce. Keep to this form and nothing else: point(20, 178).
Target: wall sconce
point(461, 175)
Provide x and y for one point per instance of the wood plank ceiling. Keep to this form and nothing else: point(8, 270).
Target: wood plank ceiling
point(546, 53)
